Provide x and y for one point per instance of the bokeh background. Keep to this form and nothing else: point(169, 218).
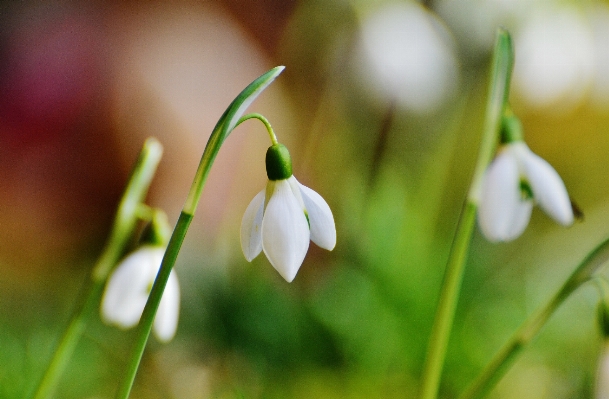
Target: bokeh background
point(381, 105)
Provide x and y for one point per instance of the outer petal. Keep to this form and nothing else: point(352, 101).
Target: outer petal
point(251, 228)
point(166, 319)
point(502, 213)
point(128, 287)
point(285, 231)
point(323, 229)
point(548, 188)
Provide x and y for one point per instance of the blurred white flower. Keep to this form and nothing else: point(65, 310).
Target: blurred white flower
point(475, 22)
point(407, 56)
point(599, 17)
point(513, 182)
point(554, 63)
point(281, 220)
point(129, 286)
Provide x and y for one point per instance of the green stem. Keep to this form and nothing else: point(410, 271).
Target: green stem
point(144, 327)
point(122, 231)
point(529, 329)
point(229, 120)
point(451, 285)
point(261, 118)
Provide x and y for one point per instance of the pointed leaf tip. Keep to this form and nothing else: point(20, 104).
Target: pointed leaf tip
point(246, 98)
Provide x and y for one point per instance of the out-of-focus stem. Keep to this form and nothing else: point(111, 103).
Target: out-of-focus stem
point(451, 285)
point(529, 329)
point(122, 231)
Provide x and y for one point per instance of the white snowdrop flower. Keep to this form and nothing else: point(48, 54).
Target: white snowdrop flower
point(281, 219)
point(407, 55)
point(555, 59)
point(129, 286)
point(598, 15)
point(513, 182)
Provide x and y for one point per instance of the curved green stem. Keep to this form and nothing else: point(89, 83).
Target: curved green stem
point(228, 121)
point(451, 285)
point(122, 231)
point(529, 329)
point(261, 118)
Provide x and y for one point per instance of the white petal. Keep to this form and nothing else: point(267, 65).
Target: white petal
point(548, 188)
point(323, 230)
point(128, 287)
point(285, 231)
point(166, 319)
point(251, 228)
point(502, 213)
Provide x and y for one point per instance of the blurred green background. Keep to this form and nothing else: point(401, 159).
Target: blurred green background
point(381, 105)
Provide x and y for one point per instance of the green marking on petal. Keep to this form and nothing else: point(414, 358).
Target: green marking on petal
point(307, 216)
point(526, 192)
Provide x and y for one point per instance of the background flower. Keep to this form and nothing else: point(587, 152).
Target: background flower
point(128, 288)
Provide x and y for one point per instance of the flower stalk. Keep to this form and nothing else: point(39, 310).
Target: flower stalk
point(228, 121)
point(122, 230)
point(498, 92)
point(265, 122)
point(529, 329)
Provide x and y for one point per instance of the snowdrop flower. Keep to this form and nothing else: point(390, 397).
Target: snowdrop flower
point(513, 183)
point(282, 219)
point(128, 288)
point(555, 58)
point(407, 55)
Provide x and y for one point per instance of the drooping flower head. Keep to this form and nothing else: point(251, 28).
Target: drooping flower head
point(129, 286)
point(283, 218)
point(514, 181)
